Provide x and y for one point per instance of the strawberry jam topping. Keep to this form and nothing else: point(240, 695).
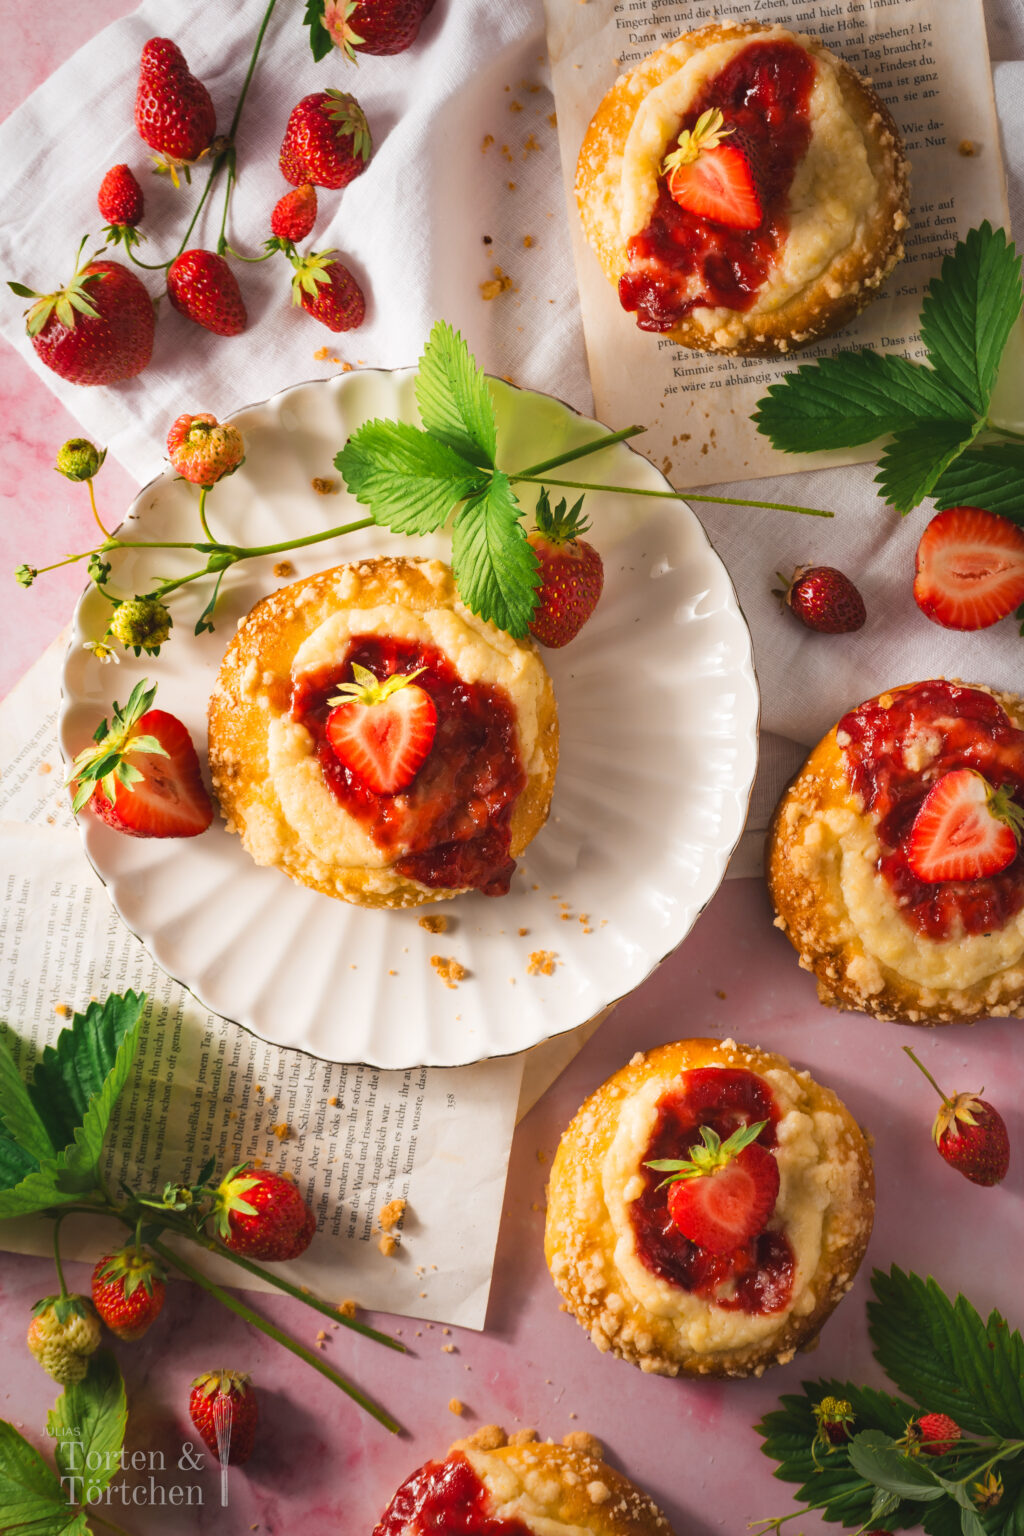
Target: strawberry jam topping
point(445, 1497)
point(941, 727)
point(757, 1277)
point(454, 819)
point(680, 260)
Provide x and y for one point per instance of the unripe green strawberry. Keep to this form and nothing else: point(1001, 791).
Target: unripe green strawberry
point(141, 624)
point(78, 459)
point(128, 1290)
point(63, 1333)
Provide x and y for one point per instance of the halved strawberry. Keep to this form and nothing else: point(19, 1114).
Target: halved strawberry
point(142, 774)
point(723, 1195)
point(382, 731)
point(716, 181)
point(964, 829)
point(970, 568)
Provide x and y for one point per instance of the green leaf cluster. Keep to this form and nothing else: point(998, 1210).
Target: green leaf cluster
point(52, 1127)
point(933, 413)
point(943, 1358)
point(415, 479)
point(88, 1417)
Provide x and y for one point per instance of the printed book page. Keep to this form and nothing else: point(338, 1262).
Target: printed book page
point(928, 63)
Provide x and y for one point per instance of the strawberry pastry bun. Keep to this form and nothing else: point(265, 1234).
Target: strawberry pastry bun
point(380, 743)
point(520, 1486)
point(894, 857)
point(744, 189)
point(708, 1207)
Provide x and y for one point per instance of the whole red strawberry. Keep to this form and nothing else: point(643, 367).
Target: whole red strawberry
point(824, 599)
point(203, 288)
point(222, 1406)
point(262, 1214)
point(128, 1291)
point(570, 570)
point(121, 204)
point(327, 141)
point(934, 1433)
point(970, 1134)
point(295, 214)
point(173, 110)
point(97, 330)
point(327, 290)
point(374, 26)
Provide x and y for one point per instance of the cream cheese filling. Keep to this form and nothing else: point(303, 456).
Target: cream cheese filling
point(479, 652)
point(807, 1142)
point(833, 193)
point(526, 1494)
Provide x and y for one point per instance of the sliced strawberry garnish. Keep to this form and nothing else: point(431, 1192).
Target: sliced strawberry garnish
point(964, 829)
point(970, 568)
point(723, 1195)
point(382, 731)
point(714, 180)
point(142, 774)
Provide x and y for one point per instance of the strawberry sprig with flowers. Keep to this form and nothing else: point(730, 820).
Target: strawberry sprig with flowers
point(413, 480)
point(946, 1455)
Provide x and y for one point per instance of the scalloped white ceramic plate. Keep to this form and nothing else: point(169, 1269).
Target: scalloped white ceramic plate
point(658, 707)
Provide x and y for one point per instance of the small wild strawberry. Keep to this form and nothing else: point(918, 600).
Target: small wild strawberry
point(933, 1433)
point(203, 450)
point(823, 599)
point(833, 1418)
point(262, 1214)
point(570, 573)
point(294, 214)
point(222, 1406)
point(128, 1291)
point(63, 1333)
point(969, 1133)
point(121, 205)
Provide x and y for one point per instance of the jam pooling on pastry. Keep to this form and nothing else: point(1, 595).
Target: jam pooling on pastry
point(445, 1497)
point(757, 1277)
point(454, 819)
point(680, 260)
point(955, 728)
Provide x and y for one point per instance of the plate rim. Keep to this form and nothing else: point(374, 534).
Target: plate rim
point(724, 856)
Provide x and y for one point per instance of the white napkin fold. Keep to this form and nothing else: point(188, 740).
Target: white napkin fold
point(412, 228)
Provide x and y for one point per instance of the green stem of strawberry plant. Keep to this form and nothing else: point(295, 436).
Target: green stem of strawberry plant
point(636, 490)
point(922, 1068)
point(236, 120)
point(56, 1254)
point(95, 511)
point(594, 446)
point(203, 492)
point(271, 1330)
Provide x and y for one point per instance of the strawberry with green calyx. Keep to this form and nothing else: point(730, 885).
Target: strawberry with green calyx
point(62, 1335)
point(121, 205)
point(381, 27)
point(382, 730)
point(964, 829)
point(571, 572)
point(98, 329)
point(970, 1134)
point(724, 1193)
point(326, 141)
point(203, 450)
point(823, 598)
point(713, 179)
point(78, 459)
point(261, 1214)
point(128, 1291)
point(326, 289)
point(222, 1405)
point(141, 624)
point(174, 113)
point(141, 775)
point(833, 1420)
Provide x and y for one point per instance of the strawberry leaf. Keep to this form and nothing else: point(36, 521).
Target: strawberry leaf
point(454, 397)
point(969, 311)
point(76, 1084)
point(912, 463)
point(853, 398)
point(30, 1495)
point(941, 1354)
point(88, 1424)
point(989, 475)
point(409, 481)
point(495, 568)
point(19, 1116)
point(873, 1455)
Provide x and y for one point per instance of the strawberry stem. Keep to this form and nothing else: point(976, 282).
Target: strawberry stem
point(246, 1313)
point(579, 453)
point(636, 490)
point(202, 513)
point(95, 513)
point(56, 1253)
point(921, 1067)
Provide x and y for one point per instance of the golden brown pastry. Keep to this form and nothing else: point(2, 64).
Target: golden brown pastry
point(479, 797)
point(827, 166)
point(645, 1291)
point(879, 939)
point(535, 1486)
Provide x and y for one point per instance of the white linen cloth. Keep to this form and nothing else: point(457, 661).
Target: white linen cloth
point(412, 228)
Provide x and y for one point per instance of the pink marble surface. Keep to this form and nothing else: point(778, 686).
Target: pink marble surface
point(321, 1466)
